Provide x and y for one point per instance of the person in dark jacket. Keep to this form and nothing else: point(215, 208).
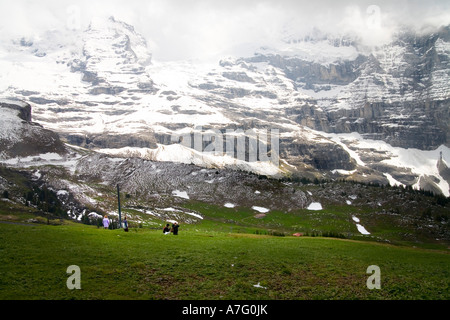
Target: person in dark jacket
point(166, 229)
point(125, 224)
point(175, 228)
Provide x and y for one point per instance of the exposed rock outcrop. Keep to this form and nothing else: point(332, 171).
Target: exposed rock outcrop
point(19, 137)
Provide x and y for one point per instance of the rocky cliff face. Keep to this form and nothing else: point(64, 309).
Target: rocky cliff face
point(421, 125)
point(19, 137)
point(398, 93)
point(343, 110)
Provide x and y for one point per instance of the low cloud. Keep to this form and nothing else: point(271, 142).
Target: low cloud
point(200, 29)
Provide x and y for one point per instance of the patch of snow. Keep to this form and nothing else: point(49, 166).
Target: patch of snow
point(37, 174)
point(45, 157)
point(288, 164)
point(95, 215)
point(180, 194)
point(260, 209)
point(361, 229)
point(337, 138)
point(13, 102)
point(392, 181)
point(171, 209)
point(316, 206)
point(152, 213)
point(420, 162)
point(50, 156)
point(343, 172)
point(229, 205)
point(181, 154)
point(194, 215)
point(62, 193)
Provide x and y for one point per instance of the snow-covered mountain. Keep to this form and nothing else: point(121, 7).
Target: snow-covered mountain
point(342, 110)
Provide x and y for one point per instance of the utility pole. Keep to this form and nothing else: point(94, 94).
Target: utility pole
point(118, 200)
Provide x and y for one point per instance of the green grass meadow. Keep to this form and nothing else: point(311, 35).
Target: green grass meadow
point(207, 263)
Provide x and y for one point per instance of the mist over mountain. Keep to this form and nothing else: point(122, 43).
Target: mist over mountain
point(367, 101)
point(202, 29)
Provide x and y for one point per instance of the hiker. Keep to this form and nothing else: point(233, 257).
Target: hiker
point(125, 224)
point(105, 222)
point(166, 229)
point(175, 228)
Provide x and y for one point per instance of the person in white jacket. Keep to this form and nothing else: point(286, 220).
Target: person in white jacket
point(106, 222)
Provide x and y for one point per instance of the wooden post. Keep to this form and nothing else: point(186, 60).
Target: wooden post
point(120, 213)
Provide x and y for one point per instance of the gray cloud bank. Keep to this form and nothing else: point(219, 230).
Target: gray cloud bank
point(200, 29)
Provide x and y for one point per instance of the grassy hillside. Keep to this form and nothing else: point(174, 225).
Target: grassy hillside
point(232, 253)
point(208, 264)
point(391, 215)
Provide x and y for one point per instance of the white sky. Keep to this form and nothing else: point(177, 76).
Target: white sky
point(199, 29)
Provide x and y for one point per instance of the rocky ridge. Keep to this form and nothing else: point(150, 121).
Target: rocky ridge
point(20, 137)
point(329, 99)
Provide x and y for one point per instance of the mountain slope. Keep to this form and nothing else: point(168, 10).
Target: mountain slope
point(20, 137)
point(171, 183)
point(99, 89)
